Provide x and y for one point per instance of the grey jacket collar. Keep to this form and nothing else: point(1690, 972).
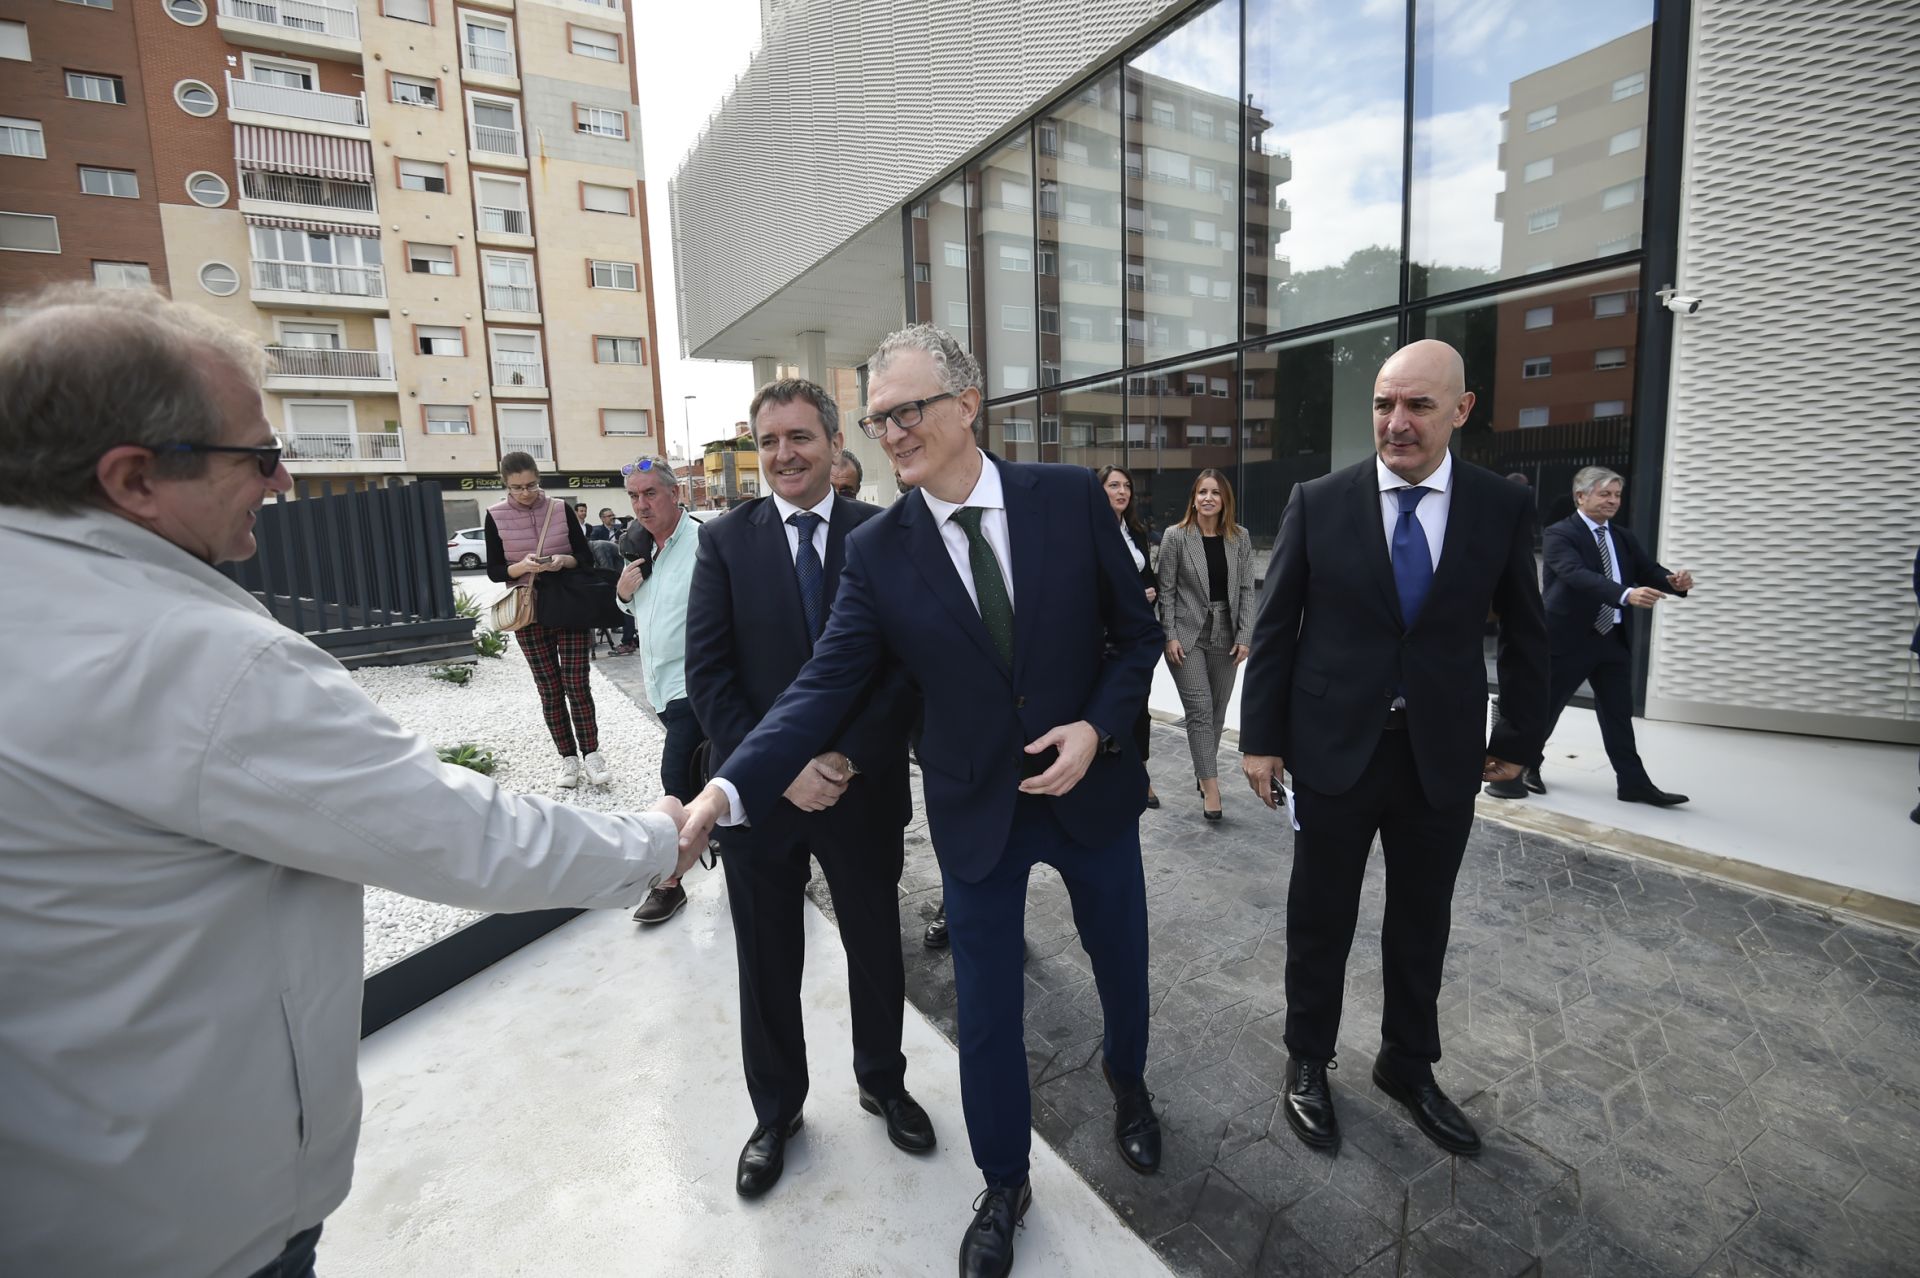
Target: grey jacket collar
point(106, 533)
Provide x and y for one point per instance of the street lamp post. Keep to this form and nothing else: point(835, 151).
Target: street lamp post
point(686, 421)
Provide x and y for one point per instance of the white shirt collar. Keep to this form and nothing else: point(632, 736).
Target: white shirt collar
point(1591, 526)
point(788, 510)
point(986, 493)
point(1439, 481)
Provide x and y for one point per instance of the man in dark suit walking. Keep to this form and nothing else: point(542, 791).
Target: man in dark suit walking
point(1595, 574)
point(764, 583)
point(1367, 680)
point(997, 587)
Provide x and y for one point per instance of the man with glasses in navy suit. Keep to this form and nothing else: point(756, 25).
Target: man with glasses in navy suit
point(997, 587)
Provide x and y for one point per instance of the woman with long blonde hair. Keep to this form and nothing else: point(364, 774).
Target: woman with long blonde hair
point(1206, 607)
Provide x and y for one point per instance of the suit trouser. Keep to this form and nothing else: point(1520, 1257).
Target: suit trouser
point(1205, 682)
point(1422, 846)
point(986, 920)
point(1603, 661)
point(766, 893)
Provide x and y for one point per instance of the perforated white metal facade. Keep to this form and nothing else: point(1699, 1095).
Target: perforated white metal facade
point(848, 107)
point(1792, 477)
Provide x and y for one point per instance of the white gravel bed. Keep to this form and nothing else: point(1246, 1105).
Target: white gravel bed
point(500, 710)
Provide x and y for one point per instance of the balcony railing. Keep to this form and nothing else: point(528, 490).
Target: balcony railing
point(535, 446)
point(289, 188)
point(491, 61)
point(305, 277)
point(510, 297)
point(310, 361)
point(339, 21)
point(491, 137)
point(300, 104)
point(511, 368)
point(329, 446)
point(503, 221)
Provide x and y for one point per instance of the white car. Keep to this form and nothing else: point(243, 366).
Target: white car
point(467, 548)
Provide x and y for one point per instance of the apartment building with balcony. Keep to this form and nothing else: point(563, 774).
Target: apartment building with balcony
point(432, 213)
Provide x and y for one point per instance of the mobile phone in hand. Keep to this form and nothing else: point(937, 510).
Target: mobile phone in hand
point(543, 559)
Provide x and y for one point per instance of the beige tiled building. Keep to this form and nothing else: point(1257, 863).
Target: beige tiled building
point(433, 214)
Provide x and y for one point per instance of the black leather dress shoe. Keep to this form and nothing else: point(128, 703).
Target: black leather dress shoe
point(936, 935)
point(1136, 1128)
point(1514, 789)
point(661, 904)
point(987, 1250)
point(763, 1158)
point(1531, 779)
point(1654, 795)
point(1308, 1103)
point(1430, 1110)
point(908, 1126)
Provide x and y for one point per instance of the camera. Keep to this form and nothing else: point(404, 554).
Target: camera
point(1680, 303)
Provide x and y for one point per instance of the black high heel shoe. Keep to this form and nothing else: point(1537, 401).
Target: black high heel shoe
point(1211, 816)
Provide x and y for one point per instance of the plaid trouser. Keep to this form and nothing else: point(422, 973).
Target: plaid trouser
point(559, 661)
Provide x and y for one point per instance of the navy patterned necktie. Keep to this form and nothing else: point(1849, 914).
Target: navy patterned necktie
point(1603, 623)
point(813, 578)
point(1412, 556)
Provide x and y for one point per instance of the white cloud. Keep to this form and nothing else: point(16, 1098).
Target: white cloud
point(1458, 153)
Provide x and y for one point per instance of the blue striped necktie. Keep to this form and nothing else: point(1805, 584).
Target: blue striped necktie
point(1412, 556)
point(806, 564)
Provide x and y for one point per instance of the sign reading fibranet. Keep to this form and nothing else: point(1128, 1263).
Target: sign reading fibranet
point(493, 483)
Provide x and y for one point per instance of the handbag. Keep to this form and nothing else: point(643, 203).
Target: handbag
point(515, 609)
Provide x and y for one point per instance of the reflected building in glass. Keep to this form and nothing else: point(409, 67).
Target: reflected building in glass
point(1185, 235)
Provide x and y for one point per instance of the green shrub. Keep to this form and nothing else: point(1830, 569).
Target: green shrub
point(465, 605)
point(452, 674)
point(490, 643)
point(468, 755)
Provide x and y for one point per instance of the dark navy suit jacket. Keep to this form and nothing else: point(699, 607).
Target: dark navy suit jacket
point(1574, 587)
point(1085, 644)
point(746, 641)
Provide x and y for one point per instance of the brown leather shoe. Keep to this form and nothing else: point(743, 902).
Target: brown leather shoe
point(661, 904)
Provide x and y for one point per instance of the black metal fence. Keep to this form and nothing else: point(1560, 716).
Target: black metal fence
point(361, 572)
point(1550, 456)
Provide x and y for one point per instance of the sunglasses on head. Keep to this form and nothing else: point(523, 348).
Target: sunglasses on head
point(642, 466)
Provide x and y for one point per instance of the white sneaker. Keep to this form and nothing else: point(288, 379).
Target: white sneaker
point(569, 772)
point(597, 770)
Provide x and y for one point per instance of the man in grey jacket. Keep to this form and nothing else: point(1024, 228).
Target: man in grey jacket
point(191, 798)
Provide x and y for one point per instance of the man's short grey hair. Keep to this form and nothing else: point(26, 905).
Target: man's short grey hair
point(1588, 478)
point(846, 458)
point(786, 390)
point(85, 370)
point(958, 370)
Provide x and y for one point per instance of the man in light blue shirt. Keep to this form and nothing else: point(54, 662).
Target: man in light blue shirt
point(658, 604)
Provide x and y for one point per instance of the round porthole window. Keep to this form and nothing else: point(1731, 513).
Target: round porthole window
point(207, 189)
point(195, 98)
point(188, 13)
point(219, 279)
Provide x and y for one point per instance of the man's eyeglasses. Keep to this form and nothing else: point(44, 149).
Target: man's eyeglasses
point(642, 466)
point(265, 456)
point(906, 416)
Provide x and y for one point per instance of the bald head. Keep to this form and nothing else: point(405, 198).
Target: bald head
point(1419, 399)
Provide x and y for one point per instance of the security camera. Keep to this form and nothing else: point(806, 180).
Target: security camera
point(1679, 303)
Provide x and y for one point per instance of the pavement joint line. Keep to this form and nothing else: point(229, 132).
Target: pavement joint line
point(1871, 907)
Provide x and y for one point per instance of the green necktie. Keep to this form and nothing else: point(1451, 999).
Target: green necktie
point(991, 588)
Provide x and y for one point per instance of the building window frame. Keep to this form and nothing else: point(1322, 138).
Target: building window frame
point(619, 57)
point(396, 78)
point(593, 265)
point(116, 84)
point(200, 275)
point(112, 176)
point(34, 217)
point(428, 353)
point(646, 424)
point(427, 418)
point(639, 347)
point(583, 122)
point(32, 130)
point(400, 176)
point(183, 87)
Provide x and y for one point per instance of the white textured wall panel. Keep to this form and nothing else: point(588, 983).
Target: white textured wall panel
point(1792, 482)
point(848, 107)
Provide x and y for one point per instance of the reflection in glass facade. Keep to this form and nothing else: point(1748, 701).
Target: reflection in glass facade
point(1200, 255)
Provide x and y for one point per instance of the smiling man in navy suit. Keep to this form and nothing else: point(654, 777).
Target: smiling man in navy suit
point(1007, 595)
point(1368, 680)
point(764, 583)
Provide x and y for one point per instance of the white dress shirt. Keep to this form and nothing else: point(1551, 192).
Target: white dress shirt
point(1139, 560)
point(1430, 514)
point(986, 494)
point(788, 510)
point(1613, 559)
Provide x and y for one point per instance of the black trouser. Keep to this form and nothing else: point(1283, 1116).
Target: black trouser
point(766, 890)
point(296, 1261)
point(1604, 662)
point(1422, 846)
point(676, 754)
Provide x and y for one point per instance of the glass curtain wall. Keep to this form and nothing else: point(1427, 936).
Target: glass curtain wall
point(1200, 254)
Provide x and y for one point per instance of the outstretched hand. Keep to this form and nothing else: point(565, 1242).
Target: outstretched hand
point(696, 828)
